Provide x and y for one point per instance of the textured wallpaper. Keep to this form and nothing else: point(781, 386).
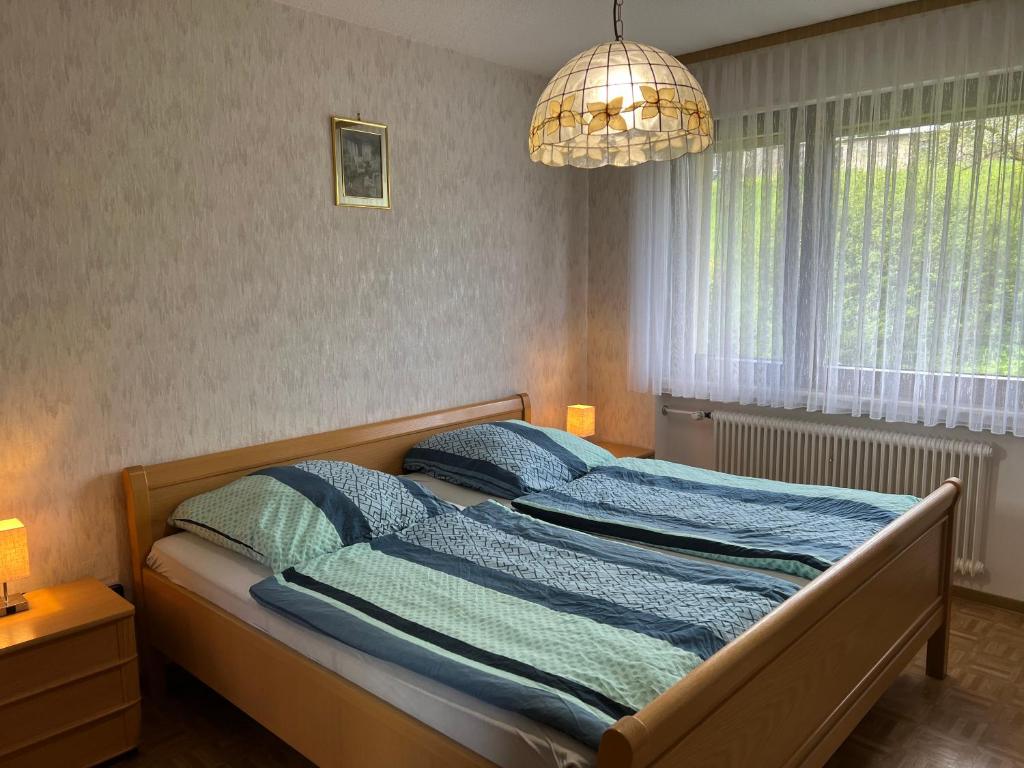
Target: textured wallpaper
point(174, 276)
point(622, 415)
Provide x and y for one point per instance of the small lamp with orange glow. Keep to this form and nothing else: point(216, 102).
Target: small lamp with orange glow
point(13, 563)
point(581, 420)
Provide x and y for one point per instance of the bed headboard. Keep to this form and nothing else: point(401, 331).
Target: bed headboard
point(153, 492)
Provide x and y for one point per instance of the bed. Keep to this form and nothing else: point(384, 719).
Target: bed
point(761, 700)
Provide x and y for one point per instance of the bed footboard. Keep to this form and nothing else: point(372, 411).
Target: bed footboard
point(791, 689)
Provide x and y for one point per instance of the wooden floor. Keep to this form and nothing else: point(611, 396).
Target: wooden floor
point(974, 719)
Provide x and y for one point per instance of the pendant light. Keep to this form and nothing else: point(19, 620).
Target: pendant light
point(619, 103)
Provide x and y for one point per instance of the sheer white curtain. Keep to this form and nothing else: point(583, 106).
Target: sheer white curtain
point(853, 241)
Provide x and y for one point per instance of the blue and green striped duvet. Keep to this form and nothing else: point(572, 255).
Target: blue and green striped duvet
point(560, 626)
point(795, 529)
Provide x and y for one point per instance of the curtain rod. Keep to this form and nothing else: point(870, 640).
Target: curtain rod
point(695, 415)
point(889, 13)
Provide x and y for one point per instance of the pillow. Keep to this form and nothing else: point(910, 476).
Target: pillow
point(506, 458)
point(282, 516)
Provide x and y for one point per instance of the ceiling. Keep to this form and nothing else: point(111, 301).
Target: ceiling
point(540, 35)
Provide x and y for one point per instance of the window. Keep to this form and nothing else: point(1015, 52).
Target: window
point(927, 220)
point(856, 248)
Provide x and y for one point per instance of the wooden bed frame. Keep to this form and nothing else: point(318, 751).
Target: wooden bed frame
point(785, 693)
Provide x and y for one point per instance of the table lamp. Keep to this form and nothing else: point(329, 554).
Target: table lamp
point(581, 420)
point(13, 563)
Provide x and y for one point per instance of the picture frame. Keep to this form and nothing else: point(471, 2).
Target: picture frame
point(362, 163)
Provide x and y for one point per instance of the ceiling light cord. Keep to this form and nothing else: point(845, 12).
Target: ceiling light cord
point(617, 19)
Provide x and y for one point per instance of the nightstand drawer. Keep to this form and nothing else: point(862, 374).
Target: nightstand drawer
point(65, 658)
point(86, 745)
point(69, 678)
point(53, 710)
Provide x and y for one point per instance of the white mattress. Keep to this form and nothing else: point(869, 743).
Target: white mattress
point(506, 738)
point(456, 494)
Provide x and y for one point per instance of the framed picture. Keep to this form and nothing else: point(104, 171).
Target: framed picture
point(362, 171)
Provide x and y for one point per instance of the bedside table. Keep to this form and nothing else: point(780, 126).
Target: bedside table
point(623, 451)
point(69, 679)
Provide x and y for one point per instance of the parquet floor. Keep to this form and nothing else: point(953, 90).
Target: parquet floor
point(973, 719)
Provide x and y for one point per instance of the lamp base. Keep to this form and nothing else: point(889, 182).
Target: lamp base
point(13, 604)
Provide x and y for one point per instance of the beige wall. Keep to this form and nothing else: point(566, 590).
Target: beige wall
point(622, 416)
point(174, 276)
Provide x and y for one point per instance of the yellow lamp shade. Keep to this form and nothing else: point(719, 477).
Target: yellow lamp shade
point(13, 550)
point(581, 420)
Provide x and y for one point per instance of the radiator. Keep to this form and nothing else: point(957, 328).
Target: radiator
point(871, 459)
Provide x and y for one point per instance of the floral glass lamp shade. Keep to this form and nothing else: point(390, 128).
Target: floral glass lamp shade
point(13, 563)
point(581, 420)
point(619, 103)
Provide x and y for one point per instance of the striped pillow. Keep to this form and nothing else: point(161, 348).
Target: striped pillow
point(506, 459)
point(282, 516)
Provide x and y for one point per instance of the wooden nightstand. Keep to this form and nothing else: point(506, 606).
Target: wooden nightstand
point(623, 451)
point(69, 678)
